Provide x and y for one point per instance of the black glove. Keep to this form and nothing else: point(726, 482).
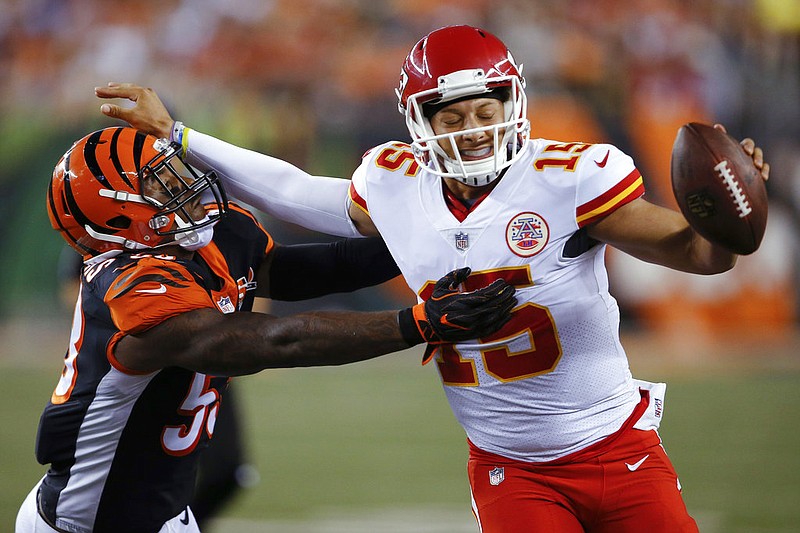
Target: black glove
point(450, 316)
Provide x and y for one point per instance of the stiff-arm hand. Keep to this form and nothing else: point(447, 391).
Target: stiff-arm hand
point(148, 114)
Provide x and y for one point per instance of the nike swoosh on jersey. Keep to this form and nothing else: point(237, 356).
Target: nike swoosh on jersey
point(160, 290)
point(637, 464)
point(602, 163)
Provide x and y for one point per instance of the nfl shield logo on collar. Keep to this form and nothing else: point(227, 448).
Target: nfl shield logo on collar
point(496, 475)
point(462, 240)
point(225, 305)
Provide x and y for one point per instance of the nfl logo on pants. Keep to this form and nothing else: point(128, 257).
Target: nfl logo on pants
point(496, 475)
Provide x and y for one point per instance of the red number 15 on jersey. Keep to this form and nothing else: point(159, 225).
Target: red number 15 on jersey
point(527, 346)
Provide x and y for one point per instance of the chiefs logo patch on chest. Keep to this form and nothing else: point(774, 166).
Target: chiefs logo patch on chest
point(527, 234)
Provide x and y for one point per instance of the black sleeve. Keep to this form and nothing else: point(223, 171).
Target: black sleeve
point(303, 271)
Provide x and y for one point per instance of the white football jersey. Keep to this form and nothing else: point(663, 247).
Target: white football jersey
point(555, 378)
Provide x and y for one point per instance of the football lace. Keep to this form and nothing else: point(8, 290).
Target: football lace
point(734, 188)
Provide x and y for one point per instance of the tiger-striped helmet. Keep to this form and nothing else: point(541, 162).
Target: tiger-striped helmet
point(96, 198)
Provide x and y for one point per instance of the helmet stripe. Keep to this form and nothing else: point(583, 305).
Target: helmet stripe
point(90, 156)
point(66, 174)
point(76, 212)
point(115, 158)
point(138, 148)
point(51, 199)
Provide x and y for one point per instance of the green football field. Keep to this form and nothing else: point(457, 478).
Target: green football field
point(373, 446)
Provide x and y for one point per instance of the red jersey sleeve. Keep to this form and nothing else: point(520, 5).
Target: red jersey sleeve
point(607, 180)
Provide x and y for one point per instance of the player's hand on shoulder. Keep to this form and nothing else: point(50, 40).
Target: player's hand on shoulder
point(453, 316)
point(148, 114)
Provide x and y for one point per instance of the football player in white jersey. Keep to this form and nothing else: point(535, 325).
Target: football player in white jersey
point(561, 437)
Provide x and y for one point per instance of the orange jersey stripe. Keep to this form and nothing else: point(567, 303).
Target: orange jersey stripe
point(627, 190)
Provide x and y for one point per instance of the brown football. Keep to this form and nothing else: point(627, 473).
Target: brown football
point(718, 188)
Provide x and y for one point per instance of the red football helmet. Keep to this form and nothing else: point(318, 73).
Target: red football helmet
point(102, 196)
point(454, 63)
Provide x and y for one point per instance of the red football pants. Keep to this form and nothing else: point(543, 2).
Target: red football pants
point(628, 486)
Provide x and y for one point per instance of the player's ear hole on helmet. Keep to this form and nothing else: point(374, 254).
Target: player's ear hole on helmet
point(119, 222)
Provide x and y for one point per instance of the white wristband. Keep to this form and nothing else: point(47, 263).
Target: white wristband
point(177, 132)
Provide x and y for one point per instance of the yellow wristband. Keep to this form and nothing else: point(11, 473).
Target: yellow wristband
point(185, 140)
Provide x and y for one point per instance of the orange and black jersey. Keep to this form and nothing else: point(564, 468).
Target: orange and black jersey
point(122, 446)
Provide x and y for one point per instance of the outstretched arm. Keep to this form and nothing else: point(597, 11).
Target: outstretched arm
point(303, 271)
point(267, 183)
point(274, 186)
point(207, 341)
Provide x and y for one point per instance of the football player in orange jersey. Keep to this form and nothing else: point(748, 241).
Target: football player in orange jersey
point(561, 436)
point(223, 468)
point(158, 329)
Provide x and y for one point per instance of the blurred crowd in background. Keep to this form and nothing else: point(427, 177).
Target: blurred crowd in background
point(312, 82)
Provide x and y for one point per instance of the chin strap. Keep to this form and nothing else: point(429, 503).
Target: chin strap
point(126, 243)
point(193, 238)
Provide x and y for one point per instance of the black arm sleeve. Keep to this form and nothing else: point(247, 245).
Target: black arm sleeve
point(303, 271)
